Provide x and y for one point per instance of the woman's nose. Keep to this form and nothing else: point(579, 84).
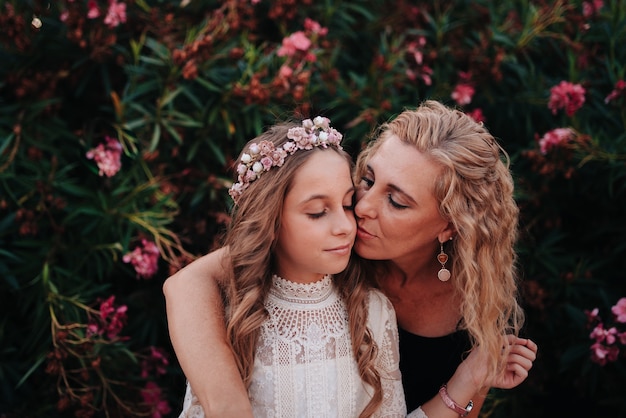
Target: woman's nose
point(364, 207)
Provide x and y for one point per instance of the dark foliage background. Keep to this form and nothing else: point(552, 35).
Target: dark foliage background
point(119, 121)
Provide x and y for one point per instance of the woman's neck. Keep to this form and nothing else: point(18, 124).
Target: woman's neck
point(414, 273)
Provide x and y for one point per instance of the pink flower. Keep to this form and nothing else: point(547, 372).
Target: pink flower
point(415, 48)
point(314, 27)
point(462, 94)
point(298, 41)
point(151, 395)
point(157, 361)
point(566, 96)
point(93, 329)
point(108, 156)
point(619, 310)
point(144, 258)
point(267, 163)
point(426, 73)
point(285, 71)
point(93, 10)
point(112, 319)
point(266, 147)
point(619, 90)
point(591, 8)
point(476, 114)
point(603, 335)
point(602, 354)
point(116, 14)
point(107, 308)
point(554, 138)
point(592, 316)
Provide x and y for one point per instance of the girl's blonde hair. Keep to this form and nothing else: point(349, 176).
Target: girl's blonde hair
point(251, 239)
point(475, 194)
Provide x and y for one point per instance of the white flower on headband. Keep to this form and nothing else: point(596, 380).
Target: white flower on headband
point(263, 156)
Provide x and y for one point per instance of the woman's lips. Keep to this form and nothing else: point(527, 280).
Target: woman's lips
point(363, 234)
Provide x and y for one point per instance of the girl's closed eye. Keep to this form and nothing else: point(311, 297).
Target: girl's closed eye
point(316, 215)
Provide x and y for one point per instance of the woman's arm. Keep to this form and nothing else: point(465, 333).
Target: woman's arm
point(470, 375)
point(195, 317)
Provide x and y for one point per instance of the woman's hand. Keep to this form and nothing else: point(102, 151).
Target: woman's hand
point(470, 379)
point(521, 355)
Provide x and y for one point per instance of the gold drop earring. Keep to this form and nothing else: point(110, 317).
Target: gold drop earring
point(444, 273)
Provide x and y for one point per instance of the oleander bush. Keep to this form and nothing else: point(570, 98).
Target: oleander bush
point(119, 121)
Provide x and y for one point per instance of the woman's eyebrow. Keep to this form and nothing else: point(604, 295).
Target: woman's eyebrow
point(394, 187)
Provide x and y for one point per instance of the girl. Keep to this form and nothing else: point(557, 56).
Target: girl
point(310, 338)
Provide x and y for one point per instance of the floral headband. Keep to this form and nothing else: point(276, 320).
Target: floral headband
point(263, 156)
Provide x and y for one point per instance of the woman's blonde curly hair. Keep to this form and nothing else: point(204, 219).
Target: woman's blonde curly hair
point(251, 240)
point(475, 194)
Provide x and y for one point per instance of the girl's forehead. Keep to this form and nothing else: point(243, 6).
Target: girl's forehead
point(323, 171)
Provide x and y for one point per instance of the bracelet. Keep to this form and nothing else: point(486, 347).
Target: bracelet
point(443, 391)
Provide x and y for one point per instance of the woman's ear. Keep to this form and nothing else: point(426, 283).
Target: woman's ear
point(447, 233)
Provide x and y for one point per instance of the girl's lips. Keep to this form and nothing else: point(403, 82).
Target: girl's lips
point(342, 250)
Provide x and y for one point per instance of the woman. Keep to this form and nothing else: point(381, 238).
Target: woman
point(435, 207)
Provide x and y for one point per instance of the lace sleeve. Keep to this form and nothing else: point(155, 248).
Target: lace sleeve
point(382, 322)
point(191, 405)
point(418, 413)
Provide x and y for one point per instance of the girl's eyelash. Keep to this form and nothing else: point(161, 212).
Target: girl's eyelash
point(316, 215)
point(368, 182)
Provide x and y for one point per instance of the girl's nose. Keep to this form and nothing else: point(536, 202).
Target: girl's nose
point(345, 224)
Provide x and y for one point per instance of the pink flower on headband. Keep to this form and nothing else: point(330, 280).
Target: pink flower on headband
point(263, 156)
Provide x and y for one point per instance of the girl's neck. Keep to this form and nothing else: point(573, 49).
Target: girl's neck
point(302, 278)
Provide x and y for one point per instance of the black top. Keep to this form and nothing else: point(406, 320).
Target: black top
point(427, 363)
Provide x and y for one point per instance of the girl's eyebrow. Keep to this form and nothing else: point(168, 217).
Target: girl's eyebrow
point(351, 189)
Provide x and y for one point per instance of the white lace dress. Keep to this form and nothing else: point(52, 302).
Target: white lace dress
point(304, 366)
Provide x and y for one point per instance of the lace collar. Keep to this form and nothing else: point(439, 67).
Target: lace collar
point(302, 292)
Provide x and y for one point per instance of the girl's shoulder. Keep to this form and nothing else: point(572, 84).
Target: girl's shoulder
point(379, 302)
point(381, 317)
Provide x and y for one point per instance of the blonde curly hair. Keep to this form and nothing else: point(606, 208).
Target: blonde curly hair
point(475, 194)
point(251, 240)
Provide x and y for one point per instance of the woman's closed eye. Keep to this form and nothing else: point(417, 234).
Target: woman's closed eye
point(367, 182)
point(394, 203)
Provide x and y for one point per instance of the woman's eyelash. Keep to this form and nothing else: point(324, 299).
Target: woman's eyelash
point(394, 203)
point(367, 181)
